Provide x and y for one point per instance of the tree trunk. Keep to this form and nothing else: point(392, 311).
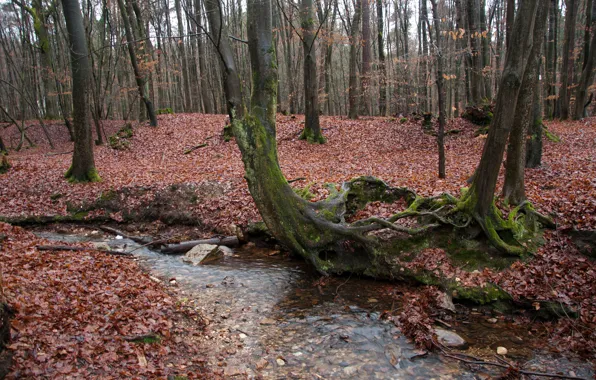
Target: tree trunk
point(366, 59)
point(140, 78)
point(219, 36)
point(205, 94)
point(514, 190)
point(480, 196)
point(485, 50)
point(567, 63)
point(551, 61)
point(186, 92)
point(382, 65)
point(353, 92)
point(476, 80)
point(83, 164)
point(440, 87)
point(312, 127)
point(535, 132)
point(581, 93)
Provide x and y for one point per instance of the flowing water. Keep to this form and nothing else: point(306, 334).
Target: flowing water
point(268, 317)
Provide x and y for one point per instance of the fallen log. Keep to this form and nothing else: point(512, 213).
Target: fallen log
point(172, 249)
point(136, 239)
point(69, 248)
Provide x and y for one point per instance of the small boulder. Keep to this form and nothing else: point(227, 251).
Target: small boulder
point(450, 339)
point(202, 254)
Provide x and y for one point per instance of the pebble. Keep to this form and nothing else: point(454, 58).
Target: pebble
point(501, 350)
point(242, 336)
point(267, 321)
point(350, 370)
point(280, 362)
point(492, 320)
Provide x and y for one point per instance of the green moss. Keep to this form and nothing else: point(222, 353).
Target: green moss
point(147, 339)
point(108, 195)
point(312, 137)
point(403, 120)
point(91, 176)
point(477, 294)
point(165, 111)
point(81, 215)
point(120, 140)
point(550, 135)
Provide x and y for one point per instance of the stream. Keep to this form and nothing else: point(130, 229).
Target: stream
point(268, 318)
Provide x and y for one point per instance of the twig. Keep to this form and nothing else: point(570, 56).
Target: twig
point(296, 179)
point(58, 153)
point(187, 151)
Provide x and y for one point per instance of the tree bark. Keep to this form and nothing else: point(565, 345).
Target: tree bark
point(567, 62)
point(382, 65)
point(476, 80)
point(581, 92)
point(83, 163)
point(353, 92)
point(514, 190)
point(440, 87)
point(366, 59)
point(312, 127)
point(534, 142)
point(482, 191)
point(205, 95)
point(551, 61)
point(219, 37)
point(140, 77)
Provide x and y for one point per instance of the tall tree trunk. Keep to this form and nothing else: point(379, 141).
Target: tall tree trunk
point(509, 21)
point(219, 36)
point(479, 199)
point(205, 93)
point(567, 62)
point(485, 50)
point(186, 92)
point(140, 77)
point(535, 132)
point(382, 66)
point(581, 92)
point(366, 59)
point(514, 189)
point(312, 127)
point(353, 92)
point(440, 86)
point(476, 80)
point(83, 163)
point(551, 61)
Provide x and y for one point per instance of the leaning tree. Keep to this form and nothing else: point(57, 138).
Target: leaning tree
point(83, 163)
point(320, 231)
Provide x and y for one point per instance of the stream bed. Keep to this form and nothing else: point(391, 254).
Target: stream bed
point(269, 317)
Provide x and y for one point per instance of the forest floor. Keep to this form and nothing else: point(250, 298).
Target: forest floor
point(154, 179)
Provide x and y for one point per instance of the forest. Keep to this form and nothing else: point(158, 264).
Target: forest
point(297, 189)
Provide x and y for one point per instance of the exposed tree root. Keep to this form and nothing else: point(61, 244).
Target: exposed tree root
point(334, 245)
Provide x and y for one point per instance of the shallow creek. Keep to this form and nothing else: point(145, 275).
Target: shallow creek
point(268, 318)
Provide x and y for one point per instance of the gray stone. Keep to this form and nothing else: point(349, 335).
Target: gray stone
point(450, 339)
point(202, 254)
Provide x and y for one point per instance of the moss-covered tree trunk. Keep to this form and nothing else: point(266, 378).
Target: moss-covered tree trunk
point(83, 164)
point(534, 142)
point(479, 200)
point(312, 126)
point(514, 186)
